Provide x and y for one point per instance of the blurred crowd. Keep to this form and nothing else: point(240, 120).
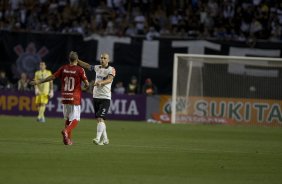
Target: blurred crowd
point(240, 20)
point(197, 19)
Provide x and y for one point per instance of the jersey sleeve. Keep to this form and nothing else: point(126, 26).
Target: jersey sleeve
point(58, 72)
point(112, 71)
point(83, 75)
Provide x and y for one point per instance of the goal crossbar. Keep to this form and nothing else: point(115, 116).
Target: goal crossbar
point(219, 59)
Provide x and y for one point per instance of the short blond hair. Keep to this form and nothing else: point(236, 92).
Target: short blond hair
point(73, 56)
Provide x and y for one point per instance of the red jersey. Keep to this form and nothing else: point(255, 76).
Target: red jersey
point(71, 77)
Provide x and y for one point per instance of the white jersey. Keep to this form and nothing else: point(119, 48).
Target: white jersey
point(103, 92)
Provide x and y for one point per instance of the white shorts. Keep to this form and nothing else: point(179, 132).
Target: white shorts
point(71, 112)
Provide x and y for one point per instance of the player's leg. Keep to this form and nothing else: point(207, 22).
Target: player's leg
point(41, 117)
point(66, 112)
point(67, 122)
point(99, 132)
point(70, 127)
point(105, 139)
point(38, 105)
point(101, 107)
point(96, 104)
point(41, 101)
point(106, 106)
point(74, 117)
point(44, 102)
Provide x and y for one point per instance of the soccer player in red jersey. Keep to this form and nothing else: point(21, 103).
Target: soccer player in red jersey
point(71, 76)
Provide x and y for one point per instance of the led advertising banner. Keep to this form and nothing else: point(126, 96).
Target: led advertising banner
point(123, 107)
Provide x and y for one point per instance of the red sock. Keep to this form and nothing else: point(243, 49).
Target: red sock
point(67, 122)
point(71, 126)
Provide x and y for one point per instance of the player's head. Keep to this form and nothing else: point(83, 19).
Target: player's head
point(148, 81)
point(134, 79)
point(42, 65)
point(73, 57)
point(104, 59)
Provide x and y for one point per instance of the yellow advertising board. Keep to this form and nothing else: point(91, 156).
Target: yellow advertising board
point(236, 110)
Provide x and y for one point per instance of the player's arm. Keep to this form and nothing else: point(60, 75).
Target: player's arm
point(84, 64)
point(84, 80)
point(86, 84)
point(109, 79)
point(51, 92)
point(36, 89)
point(50, 78)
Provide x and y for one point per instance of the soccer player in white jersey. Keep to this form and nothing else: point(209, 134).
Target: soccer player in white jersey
point(101, 94)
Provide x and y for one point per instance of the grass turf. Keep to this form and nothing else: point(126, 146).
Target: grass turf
point(33, 153)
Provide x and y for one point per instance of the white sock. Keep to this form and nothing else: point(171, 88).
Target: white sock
point(100, 129)
point(105, 132)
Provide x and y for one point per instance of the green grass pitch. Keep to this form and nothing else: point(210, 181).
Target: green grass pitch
point(139, 153)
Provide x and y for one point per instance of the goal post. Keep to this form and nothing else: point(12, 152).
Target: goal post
point(226, 89)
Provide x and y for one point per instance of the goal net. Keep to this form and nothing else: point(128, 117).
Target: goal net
point(226, 89)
